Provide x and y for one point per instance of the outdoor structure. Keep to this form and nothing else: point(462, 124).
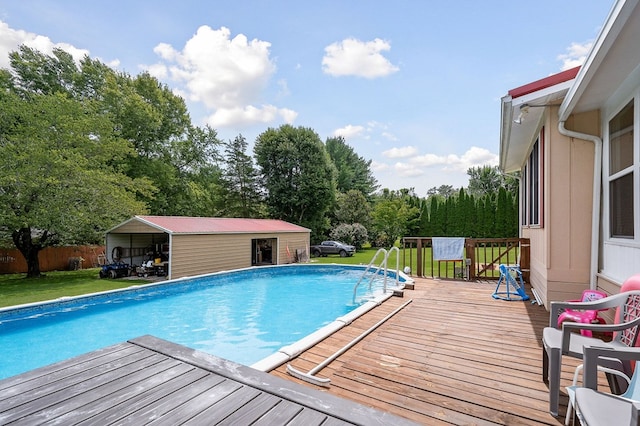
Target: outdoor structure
point(186, 246)
point(573, 137)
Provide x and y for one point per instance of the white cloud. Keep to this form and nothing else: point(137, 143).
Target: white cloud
point(349, 131)
point(428, 160)
point(576, 55)
point(249, 115)
point(10, 40)
point(407, 170)
point(403, 152)
point(419, 165)
point(283, 88)
point(389, 136)
point(228, 75)
point(473, 157)
point(160, 71)
point(217, 70)
point(357, 58)
point(378, 167)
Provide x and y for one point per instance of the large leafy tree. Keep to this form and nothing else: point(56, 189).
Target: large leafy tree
point(108, 136)
point(61, 179)
point(352, 207)
point(353, 171)
point(170, 150)
point(298, 176)
point(177, 156)
point(391, 219)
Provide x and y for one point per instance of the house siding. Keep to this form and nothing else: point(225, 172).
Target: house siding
point(560, 250)
point(202, 254)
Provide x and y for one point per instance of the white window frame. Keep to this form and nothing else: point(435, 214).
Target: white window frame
point(533, 170)
point(634, 169)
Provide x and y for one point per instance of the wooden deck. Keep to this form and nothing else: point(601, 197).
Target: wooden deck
point(454, 355)
point(152, 381)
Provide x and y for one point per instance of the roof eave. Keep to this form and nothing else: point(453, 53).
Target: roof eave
point(615, 22)
point(518, 132)
point(506, 121)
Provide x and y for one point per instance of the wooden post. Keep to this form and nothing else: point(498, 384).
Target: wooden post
point(419, 271)
point(471, 255)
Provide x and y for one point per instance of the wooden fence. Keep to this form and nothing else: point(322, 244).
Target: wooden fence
point(482, 257)
point(53, 259)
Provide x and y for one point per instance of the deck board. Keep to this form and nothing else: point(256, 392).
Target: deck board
point(152, 381)
point(454, 355)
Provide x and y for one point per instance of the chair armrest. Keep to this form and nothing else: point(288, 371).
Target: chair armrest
point(613, 301)
point(635, 412)
point(568, 327)
point(593, 355)
point(558, 307)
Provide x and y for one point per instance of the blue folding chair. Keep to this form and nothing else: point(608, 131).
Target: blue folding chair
point(509, 277)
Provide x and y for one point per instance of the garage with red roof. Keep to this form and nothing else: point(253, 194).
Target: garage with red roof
point(179, 246)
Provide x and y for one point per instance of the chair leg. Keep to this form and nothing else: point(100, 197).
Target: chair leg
point(545, 366)
point(551, 376)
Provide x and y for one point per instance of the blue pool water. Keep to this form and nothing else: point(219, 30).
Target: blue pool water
point(243, 316)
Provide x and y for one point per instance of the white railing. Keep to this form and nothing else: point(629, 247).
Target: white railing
point(382, 266)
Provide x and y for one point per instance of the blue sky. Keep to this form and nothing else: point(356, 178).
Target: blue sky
point(414, 86)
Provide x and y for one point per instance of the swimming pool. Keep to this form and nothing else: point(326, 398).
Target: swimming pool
point(246, 316)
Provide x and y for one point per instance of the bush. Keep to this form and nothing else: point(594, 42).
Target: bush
point(355, 234)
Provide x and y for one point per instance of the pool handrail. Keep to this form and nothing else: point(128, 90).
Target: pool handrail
point(380, 266)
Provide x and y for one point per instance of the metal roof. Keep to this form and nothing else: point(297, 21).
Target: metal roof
point(213, 225)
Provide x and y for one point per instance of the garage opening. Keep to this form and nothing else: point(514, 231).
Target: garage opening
point(263, 250)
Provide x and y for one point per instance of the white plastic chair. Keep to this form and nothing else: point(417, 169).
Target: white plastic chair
point(571, 390)
point(596, 408)
point(557, 342)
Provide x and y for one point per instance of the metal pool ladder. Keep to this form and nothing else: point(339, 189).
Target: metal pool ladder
point(373, 274)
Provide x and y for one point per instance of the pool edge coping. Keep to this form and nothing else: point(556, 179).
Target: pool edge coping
point(288, 352)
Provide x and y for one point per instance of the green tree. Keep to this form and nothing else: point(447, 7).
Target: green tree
point(170, 150)
point(37, 73)
point(243, 197)
point(353, 207)
point(390, 220)
point(443, 190)
point(353, 171)
point(298, 176)
point(484, 180)
point(61, 180)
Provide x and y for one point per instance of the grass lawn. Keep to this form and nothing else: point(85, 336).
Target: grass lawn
point(362, 257)
point(15, 289)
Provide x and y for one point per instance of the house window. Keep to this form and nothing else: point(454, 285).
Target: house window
point(621, 173)
point(532, 187)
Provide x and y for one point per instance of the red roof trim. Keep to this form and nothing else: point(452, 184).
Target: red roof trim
point(552, 80)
